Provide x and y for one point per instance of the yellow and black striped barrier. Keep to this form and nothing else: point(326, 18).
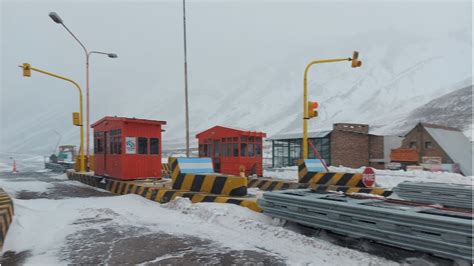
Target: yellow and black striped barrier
point(349, 190)
point(209, 182)
point(272, 184)
point(6, 215)
point(165, 170)
point(329, 178)
point(159, 192)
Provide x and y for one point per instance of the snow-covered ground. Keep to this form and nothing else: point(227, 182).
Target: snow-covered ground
point(44, 226)
point(383, 178)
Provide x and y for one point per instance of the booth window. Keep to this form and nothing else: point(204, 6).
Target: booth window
point(142, 146)
point(202, 151)
point(258, 150)
point(154, 146)
point(115, 141)
point(243, 149)
point(217, 148)
point(235, 150)
point(99, 142)
point(250, 151)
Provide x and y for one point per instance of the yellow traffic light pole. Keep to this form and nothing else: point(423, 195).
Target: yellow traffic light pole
point(355, 63)
point(27, 73)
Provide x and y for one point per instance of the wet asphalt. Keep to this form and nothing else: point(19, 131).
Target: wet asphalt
point(112, 243)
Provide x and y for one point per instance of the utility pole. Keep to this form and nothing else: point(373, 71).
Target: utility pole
point(186, 80)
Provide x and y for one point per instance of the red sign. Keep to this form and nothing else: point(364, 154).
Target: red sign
point(368, 177)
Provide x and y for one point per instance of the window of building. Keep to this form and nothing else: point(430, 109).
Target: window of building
point(250, 151)
point(243, 149)
point(412, 144)
point(208, 149)
point(99, 142)
point(142, 145)
point(258, 150)
point(217, 148)
point(201, 150)
point(235, 149)
point(154, 146)
point(428, 145)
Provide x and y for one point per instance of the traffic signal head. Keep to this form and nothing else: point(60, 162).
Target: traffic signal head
point(355, 60)
point(312, 109)
point(26, 70)
point(76, 119)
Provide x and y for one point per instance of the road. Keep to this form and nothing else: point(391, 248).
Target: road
point(98, 238)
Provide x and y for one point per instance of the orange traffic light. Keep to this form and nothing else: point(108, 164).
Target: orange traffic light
point(26, 70)
point(312, 106)
point(355, 60)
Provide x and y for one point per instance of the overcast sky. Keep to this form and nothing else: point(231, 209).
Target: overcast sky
point(225, 40)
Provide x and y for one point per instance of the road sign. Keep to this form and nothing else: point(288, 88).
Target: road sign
point(368, 177)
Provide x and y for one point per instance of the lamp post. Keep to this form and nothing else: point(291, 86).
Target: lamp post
point(27, 68)
point(355, 63)
point(186, 81)
point(56, 18)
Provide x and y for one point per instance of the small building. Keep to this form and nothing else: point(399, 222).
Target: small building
point(447, 143)
point(127, 148)
point(346, 144)
point(231, 148)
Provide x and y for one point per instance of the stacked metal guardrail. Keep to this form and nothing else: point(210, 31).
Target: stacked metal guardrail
point(450, 195)
point(399, 223)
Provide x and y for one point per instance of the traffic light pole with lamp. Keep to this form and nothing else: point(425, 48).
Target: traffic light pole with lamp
point(77, 116)
point(310, 108)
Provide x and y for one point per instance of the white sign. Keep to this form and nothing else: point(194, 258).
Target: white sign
point(130, 145)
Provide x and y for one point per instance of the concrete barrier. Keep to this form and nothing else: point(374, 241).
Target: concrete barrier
point(6, 215)
point(273, 184)
point(305, 175)
point(196, 175)
point(161, 191)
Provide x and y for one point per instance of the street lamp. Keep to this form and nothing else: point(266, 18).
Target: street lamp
point(77, 117)
point(186, 104)
point(56, 18)
point(309, 108)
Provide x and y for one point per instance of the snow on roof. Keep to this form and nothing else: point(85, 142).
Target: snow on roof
point(456, 145)
point(314, 134)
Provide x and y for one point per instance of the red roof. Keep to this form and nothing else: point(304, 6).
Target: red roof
point(237, 130)
point(129, 120)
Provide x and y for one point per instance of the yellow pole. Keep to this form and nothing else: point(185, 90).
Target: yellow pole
point(81, 159)
point(305, 100)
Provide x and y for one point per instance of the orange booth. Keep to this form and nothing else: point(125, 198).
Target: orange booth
point(232, 148)
point(127, 148)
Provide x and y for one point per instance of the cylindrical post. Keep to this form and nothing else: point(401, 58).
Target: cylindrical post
point(87, 114)
point(186, 80)
point(305, 114)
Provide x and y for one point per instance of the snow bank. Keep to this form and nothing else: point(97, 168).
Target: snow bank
point(383, 178)
point(391, 178)
point(285, 173)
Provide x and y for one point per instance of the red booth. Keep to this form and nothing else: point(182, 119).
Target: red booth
point(231, 148)
point(127, 148)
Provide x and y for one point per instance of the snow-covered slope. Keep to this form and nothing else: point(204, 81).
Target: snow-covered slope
point(400, 73)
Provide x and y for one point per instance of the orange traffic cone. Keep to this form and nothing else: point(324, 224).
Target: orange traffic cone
point(14, 167)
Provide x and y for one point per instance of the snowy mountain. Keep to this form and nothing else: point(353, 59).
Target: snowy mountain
point(453, 109)
point(400, 73)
